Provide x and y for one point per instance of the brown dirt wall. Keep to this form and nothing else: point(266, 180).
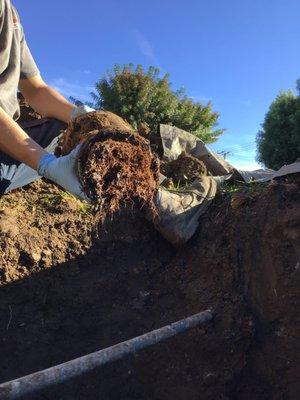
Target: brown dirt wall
point(70, 286)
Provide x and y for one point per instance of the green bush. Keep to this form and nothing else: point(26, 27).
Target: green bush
point(144, 97)
point(278, 143)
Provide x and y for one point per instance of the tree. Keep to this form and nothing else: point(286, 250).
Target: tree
point(298, 86)
point(278, 143)
point(142, 97)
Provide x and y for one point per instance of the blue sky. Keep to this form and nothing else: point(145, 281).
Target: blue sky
point(238, 54)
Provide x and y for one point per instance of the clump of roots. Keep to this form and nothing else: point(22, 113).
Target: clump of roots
point(115, 165)
point(118, 170)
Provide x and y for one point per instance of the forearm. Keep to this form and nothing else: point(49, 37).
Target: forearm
point(49, 103)
point(45, 100)
point(17, 144)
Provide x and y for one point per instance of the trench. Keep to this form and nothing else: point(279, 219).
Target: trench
point(128, 280)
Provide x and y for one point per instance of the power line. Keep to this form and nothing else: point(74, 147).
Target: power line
point(236, 149)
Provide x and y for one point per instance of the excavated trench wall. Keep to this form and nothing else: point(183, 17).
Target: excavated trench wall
point(70, 286)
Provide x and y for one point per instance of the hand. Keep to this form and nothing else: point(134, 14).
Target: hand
point(62, 170)
point(80, 110)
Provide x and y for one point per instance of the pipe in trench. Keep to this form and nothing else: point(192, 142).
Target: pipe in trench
point(74, 368)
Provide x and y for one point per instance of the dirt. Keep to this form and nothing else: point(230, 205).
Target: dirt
point(184, 170)
point(27, 113)
point(117, 169)
point(72, 283)
point(116, 166)
point(80, 129)
point(70, 286)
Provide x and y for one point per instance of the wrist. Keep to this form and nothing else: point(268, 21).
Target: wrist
point(33, 154)
point(43, 163)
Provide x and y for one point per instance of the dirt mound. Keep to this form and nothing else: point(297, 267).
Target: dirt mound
point(117, 169)
point(72, 286)
point(185, 169)
point(79, 129)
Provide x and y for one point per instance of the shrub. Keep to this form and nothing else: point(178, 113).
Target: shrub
point(278, 143)
point(142, 97)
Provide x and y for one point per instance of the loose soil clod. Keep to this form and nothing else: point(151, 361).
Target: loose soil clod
point(185, 169)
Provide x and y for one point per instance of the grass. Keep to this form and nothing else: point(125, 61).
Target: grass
point(230, 187)
point(226, 187)
point(55, 199)
point(255, 187)
point(233, 187)
point(178, 187)
point(25, 203)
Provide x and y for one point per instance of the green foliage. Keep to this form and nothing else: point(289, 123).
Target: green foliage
point(278, 143)
point(298, 86)
point(251, 188)
point(144, 97)
point(230, 187)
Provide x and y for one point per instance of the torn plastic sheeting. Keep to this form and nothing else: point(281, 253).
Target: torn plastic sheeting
point(265, 175)
point(175, 141)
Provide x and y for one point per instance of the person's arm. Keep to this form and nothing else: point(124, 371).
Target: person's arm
point(62, 170)
point(45, 100)
point(16, 143)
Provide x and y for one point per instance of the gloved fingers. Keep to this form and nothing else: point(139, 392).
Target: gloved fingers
point(75, 152)
point(82, 196)
point(75, 189)
point(80, 110)
point(62, 171)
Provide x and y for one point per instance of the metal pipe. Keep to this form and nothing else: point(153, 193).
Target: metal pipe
point(71, 369)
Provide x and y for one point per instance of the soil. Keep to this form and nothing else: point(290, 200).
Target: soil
point(80, 129)
point(117, 169)
point(27, 113)
point(184, 170)
point(116, 166)
point(71, 285)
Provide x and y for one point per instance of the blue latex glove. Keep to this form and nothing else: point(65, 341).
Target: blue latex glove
point(80, 110)
point(62, 170)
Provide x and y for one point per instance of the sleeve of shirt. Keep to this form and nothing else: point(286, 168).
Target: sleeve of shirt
point(28, 65)
point(1, 10)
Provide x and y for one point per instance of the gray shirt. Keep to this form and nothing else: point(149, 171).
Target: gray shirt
point(16, 61)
